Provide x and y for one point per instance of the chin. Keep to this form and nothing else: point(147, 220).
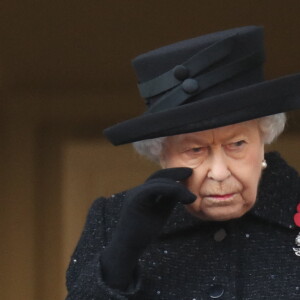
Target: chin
point(224, 217)
point(224, 211)
point(219, 213)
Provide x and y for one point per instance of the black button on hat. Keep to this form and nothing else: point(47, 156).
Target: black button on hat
point(181, 72)
point(190, 86)
point(216, 291)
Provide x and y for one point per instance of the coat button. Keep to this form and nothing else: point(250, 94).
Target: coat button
point(220, 235)
point(216, 291)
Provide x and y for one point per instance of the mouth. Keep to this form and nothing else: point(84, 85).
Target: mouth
point(220, 199)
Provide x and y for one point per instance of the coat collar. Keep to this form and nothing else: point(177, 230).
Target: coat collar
point(278, 193)
point(278, 196)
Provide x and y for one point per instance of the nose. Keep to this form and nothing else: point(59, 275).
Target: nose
point(218, 169)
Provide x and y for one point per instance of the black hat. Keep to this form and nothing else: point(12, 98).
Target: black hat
point(203, 83)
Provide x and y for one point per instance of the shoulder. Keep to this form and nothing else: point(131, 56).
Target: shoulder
point(279, 163)
point(103, 214)
point(106, 210)
point(278, 193)
point(279, 169)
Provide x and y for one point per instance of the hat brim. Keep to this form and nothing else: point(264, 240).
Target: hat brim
point(251, 102)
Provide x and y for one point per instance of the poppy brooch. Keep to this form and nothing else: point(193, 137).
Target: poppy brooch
point(297, 222)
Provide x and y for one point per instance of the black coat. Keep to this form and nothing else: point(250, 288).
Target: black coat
point(247, 258)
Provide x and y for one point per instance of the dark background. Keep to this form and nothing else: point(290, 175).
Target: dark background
point(65, 74)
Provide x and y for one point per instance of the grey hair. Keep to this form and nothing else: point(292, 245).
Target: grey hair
point(151, 149)
point(270, 126)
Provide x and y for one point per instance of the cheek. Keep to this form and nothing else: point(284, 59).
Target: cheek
point(194, 182)
point(172, 160)
point(249, 173)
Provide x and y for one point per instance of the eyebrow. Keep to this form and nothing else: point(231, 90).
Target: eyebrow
point(234, 135)
point(193, 139)
point(196, 139)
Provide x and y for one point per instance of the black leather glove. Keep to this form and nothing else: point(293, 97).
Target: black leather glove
point(146, 209)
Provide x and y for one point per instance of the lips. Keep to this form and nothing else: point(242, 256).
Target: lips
point(221, 197)
point(218, 200)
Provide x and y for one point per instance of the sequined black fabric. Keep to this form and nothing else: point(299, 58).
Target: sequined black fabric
point(247, 258)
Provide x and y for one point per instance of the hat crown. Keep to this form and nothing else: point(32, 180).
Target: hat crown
point(152, 67)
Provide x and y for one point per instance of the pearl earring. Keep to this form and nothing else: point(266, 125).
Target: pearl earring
point(264, 164)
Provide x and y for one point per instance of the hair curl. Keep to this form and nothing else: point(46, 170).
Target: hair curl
point(270, 126)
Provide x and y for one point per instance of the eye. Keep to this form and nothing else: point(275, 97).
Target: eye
point(239, 143)
point(196, 149)
point(236, 145)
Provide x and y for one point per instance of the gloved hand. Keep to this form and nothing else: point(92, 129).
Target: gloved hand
point(146, 209)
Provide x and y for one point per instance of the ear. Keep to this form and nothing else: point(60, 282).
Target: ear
point(263, 150)
point(162, 160)
point(262, 143)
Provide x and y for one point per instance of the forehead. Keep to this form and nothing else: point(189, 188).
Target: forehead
point(246, 129)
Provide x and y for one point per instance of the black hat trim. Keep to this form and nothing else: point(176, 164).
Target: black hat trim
point(191, 87)
point(193, 66)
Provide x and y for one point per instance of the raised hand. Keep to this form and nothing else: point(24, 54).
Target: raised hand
point(146, 209)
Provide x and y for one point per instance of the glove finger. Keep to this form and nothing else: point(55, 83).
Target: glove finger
point(183, 195)
point(166, 189)
point(177, 174)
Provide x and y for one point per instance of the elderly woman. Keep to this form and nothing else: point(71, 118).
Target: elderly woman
point(220, 219)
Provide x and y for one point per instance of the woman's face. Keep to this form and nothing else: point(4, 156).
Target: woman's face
point(226, 163)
